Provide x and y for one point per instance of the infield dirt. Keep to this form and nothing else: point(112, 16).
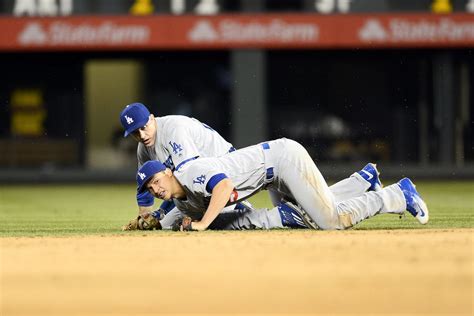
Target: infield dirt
point(399, 272)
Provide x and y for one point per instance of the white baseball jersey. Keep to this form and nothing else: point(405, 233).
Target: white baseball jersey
point(245, 167)
point(180, 139)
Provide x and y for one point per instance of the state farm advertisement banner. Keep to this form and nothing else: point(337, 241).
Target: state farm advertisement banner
point(285, 31)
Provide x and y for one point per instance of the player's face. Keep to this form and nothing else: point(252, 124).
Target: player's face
point(147, 133)
point(160, 186)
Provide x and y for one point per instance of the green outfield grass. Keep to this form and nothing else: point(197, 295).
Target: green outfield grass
point(62, 210)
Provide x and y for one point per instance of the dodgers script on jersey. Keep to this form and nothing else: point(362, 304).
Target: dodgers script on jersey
point(246, 168)
point(180, 139)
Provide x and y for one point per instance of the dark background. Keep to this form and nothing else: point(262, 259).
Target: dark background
point(398, 107)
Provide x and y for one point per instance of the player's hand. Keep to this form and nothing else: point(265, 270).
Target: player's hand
point(198, 226)
point(145, 221)
point(183, 224)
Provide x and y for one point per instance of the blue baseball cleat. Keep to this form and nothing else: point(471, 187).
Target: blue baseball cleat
point(289, 216)
point(415, 204)
point(371, 175)
point(286, 207)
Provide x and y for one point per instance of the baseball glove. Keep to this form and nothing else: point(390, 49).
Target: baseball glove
point(183, 224)
point(145, 221)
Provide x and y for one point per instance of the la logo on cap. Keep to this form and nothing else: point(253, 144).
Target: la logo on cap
point(141, 175)
point(129, 120)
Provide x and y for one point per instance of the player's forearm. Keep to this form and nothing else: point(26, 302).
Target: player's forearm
point(145, 202)
point(219, 199)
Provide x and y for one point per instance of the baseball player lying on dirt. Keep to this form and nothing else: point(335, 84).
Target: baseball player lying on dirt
point(175, 140)
point(204, 186)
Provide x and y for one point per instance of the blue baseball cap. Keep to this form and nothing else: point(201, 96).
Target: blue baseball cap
point(148, 170)
point(133, 117)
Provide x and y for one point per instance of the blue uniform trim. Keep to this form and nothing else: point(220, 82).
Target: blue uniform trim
point(167, 206)
point(265, 146)
point(214, 180)
point(208, 127)
point(169, 163)
point(270, 174)
point(240, 206)
point(232, 149)
point(145, 199)
point(185, 161)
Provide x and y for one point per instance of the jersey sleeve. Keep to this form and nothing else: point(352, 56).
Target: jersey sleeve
point(181, 144)
point(145, 198)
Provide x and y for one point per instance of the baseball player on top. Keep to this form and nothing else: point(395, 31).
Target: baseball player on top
point(204, 186)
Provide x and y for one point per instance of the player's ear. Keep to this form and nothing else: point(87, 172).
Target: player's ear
point(168, 172)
